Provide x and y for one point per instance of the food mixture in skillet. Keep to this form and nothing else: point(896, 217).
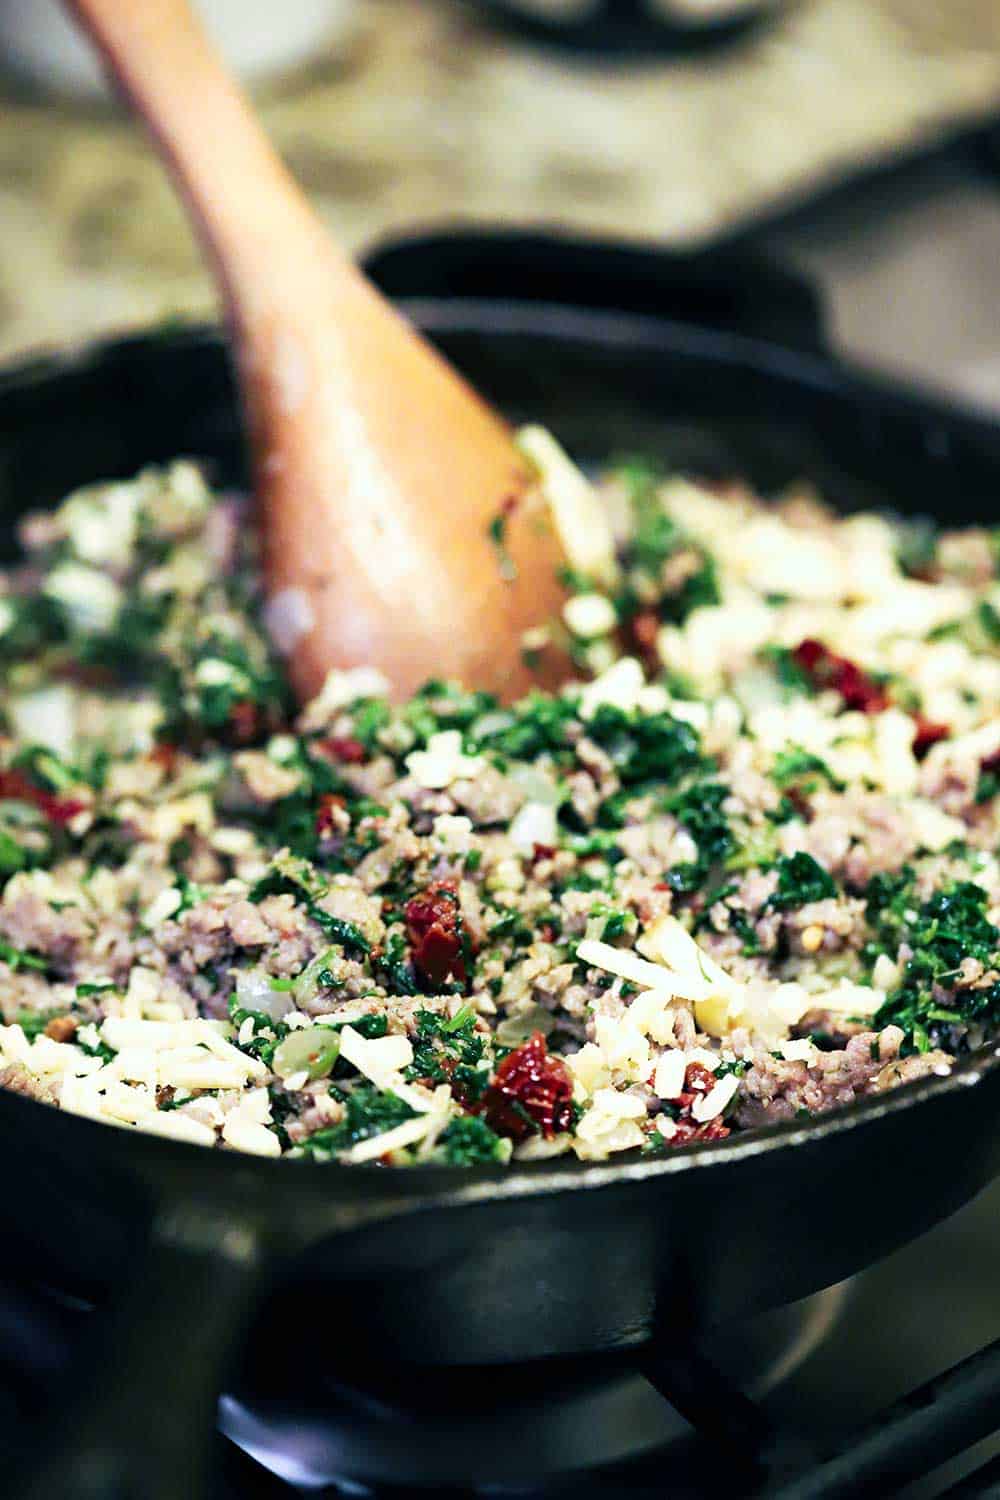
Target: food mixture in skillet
point(743, 871)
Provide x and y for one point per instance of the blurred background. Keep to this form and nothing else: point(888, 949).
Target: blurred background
point(853, 138)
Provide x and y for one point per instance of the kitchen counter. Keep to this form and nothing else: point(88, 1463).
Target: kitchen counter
point(433, 115)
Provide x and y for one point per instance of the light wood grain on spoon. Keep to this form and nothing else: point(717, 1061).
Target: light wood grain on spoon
point(378, 470)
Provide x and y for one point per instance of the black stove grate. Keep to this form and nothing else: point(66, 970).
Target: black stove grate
point(729, 1445)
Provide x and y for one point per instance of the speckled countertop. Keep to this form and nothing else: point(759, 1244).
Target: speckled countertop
point(432, 116)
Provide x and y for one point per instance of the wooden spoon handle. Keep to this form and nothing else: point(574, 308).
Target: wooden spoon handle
point(159, 56)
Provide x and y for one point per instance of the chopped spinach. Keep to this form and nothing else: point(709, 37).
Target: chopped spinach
point(368, 1111)
point(951, 925)
point(469, 1141)
point(449, 1050)
point(20, 958)
point(12, 856)
point(801, 770)
point(395, 966)
point(916, 547)
point(347, 934)
point(655, 748)
point(801, 879)
point(537, 724)
point(791, 676)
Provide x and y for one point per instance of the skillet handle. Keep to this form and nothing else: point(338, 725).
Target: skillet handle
point(140, 1421)
point(734, 289)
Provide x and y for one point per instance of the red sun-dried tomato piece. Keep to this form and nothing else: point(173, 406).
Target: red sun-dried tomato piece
point(688, 1130)
point(828, 670)
point(530, 1089)
point(165, 756)
point(328, 802)
point(349, 751)
point(63, 809)
point(244, 721)
point(810, 655)
point(434, 930)
point(928, 733)
point(644, 627)
point(698, 1079)
point(17, 787)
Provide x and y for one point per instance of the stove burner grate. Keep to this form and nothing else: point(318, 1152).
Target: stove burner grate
point(712, 1438)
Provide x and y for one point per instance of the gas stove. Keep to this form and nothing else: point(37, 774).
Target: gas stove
point(826, 1377)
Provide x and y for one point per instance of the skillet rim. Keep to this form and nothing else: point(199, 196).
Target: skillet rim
point(624, 329)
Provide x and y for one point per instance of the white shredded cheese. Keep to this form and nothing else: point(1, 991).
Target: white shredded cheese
point(178, 1127)
point(246, 1127)
point(619, 687)
point(580, 518)
point(589, 1068)
point(798, 1051)
point(378, 1058)
point(163, 908)
point(625, 964)
point(708, 1106)
point(46, 717)
point(406, 1134)
point(142, 992)
point(338, 690)
point(89, 597)
point(590, 615)
point(609, 1125)
point(535, 823)
point(668, 1080)
point(443, 762)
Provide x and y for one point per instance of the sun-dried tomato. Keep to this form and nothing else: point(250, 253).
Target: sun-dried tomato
point(244, 721)
point(434, 929)
point(343, 748)
point(16, 786)
point(325, 819)
point(644, 628)
point(698, 1079)
point(542, 851)
point(826, 669)
point(165, 756)
point(530, 1090)
point(927, 733)
point(689, 1130)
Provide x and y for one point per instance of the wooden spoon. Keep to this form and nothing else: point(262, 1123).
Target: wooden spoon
point(379, 472)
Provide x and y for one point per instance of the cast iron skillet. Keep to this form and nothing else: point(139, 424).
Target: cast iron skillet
point(485, 1265)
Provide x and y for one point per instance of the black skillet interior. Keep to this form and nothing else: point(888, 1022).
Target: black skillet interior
point(609, 374)
point(708, 361)
point(612, 29)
